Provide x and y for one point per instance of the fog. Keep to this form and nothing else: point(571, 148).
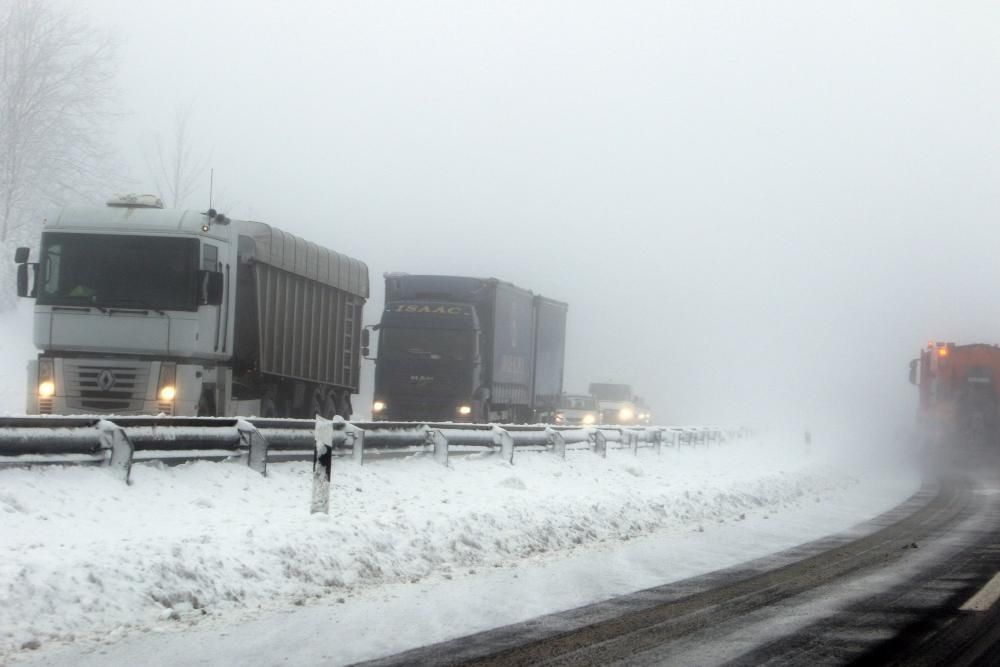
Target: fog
point(757, 212)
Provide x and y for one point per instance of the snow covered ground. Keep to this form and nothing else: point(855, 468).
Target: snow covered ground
point(86, 561)
point(16, 348)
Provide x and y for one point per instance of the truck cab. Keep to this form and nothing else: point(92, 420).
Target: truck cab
point(615, 402)
point(127, 296)
point(428, 362)
point(577, 409)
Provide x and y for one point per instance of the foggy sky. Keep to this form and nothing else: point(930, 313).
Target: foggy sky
point(756, 211)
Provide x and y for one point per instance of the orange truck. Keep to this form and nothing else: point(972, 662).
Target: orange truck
point(958, 387)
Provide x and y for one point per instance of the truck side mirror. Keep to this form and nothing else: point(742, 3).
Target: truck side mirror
point(913, 371)
point(22, 278)
point(211, 287)
point(21, 255)
point(366, 341)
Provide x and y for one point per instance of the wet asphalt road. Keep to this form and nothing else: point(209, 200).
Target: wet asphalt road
point(888, 592)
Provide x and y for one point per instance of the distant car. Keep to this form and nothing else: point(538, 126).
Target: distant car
point(577, 409)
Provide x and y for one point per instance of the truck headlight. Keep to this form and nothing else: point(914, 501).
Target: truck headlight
point(465, 410)
point(625, 414)
point(588, 418)
point(378, 406)
point(46, 378)
point(167, 386)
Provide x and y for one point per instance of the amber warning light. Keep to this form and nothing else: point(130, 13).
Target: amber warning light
point(942, 352)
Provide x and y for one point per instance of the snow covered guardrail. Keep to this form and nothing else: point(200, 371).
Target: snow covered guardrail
point(117, 442)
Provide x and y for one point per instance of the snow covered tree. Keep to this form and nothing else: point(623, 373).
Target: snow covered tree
point(56, 101)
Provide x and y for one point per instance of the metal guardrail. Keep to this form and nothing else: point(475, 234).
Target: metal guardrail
point(118, 442)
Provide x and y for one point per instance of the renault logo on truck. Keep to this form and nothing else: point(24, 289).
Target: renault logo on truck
point(105, 380)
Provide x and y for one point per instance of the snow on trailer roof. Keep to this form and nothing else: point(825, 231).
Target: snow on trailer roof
point(295, 255)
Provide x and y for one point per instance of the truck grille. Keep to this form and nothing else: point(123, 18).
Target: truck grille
point(105, 385)
point(420, 410)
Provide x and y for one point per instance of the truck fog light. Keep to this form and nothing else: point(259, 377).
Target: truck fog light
point(46, 389)
point(588, 419)
point(625, 414)
point(168, 393)
point(464, 410)
point(378, 406)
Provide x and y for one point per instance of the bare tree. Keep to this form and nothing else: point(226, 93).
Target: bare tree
point(176, 167)
point(56, 98)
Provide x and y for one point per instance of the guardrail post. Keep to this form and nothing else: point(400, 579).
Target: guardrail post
point(502, 438)
point(357, 444)
point(116, 442)
point(255, 446)
point(634, 441)
point(322, 467)
point(437, 438)
point(353, 436)
point(600, 442)
point(658, 440)
point(557, 441)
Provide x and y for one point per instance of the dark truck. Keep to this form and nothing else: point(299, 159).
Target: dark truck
point(452, 348)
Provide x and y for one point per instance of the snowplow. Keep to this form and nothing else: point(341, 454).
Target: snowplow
point(958, 393)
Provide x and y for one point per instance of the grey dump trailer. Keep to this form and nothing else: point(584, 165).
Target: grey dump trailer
point(453, 348)
point(145, 310)
point(298, 332)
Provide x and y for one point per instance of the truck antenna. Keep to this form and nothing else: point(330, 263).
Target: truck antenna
point(211, 182)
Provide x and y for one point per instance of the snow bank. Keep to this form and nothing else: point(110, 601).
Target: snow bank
point(83, 556)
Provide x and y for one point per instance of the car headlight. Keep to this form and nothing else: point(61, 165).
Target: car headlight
point(46, 378)
point(589, 418)
point(168, 379)
point(625, 414)
point(378, 406)
point(465, 409)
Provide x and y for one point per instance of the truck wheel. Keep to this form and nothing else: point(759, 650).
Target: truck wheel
point(268, 410)
point(330, 405)
point(317, 404)
point(344, 408)
point(206, 404)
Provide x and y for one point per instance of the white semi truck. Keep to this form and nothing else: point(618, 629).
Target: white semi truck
point(146, 310)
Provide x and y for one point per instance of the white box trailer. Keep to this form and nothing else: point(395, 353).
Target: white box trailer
point(145, 310)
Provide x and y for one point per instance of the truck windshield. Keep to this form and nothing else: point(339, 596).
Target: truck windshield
point(578, 403)
point(118, 270)
point(414, 343)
